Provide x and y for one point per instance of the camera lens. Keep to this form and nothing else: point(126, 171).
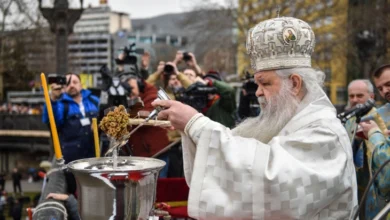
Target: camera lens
point(168, 69)
point(186, 57)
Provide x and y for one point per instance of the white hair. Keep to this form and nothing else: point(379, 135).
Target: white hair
point(370, 87)
point(279, 109)
point(313, 80)
point(276, 112)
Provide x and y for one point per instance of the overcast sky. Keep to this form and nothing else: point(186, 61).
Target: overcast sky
point(146, 8)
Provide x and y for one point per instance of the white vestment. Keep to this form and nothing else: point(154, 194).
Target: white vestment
point(305, 172)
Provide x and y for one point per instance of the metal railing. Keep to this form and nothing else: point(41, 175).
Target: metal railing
point(25, 133)
point(22, 122)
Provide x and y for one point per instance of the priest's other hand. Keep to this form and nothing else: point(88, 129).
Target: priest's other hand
point(176, 112)
point(367, 126)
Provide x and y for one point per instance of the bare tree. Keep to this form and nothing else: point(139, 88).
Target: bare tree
point(368, 36)
point(17, 18)
point(210, 27)
point(210, 24)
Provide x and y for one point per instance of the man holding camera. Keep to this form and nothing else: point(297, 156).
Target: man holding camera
point(220, 106)
point(248, 105)
point(147, 141)
point(190, 61)
point(172, 79)
point(73, 109)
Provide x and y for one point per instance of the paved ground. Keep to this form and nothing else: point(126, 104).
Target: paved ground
point(26, 186)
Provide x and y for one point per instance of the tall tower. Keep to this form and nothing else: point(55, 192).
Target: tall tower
point(61, 20)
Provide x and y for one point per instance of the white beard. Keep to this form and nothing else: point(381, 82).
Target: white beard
point(278, 111)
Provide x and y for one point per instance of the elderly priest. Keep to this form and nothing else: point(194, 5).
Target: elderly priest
point(293, 161)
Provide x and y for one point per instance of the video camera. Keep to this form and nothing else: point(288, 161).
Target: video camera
point(129, 58)
point(196, 95)
point(249, 84)
point(114, 84)
point(116, 87)
point(168, 69)
point(58, 79)
point(249, 101)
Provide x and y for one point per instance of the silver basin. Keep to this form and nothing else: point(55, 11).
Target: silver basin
point(128, 192)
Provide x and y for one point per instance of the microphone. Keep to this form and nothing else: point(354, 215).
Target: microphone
point(358, 111)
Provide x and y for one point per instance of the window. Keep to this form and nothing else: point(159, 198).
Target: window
point(132, 39)
point(184, 41)
point(146, 40)
point(174, 41)
point(161, 39)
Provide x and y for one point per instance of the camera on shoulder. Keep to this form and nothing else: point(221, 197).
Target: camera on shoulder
point(249, 85)
point(196, 95)
point(129, 55)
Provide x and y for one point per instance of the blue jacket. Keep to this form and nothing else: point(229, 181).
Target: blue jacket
point(76, 140)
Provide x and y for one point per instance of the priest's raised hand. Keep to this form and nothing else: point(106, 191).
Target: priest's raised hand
point(176, 112)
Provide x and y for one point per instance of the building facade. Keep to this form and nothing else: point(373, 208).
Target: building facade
point(91, 45)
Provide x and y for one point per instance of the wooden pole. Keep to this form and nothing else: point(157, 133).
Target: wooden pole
point(96, 137)
point(53, 128)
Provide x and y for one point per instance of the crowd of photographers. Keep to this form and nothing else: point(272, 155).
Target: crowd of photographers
point(204, 91)
point(183, 80)
point(136, 88)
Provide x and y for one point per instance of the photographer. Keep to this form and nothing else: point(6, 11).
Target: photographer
point(191, 75)
point(145, 61)
point(147, 140)
point(73, 109)
point(127, 62)
point(249, 105)
point(173, 80)
point(212, 97)
point(190, 61)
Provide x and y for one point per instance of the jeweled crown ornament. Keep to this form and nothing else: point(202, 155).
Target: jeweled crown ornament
point(280, 43)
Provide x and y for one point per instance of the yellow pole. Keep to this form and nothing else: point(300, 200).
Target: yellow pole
point(96, 137)
point(53, 128)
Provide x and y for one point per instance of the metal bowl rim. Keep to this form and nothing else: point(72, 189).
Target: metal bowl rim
point(69, 165)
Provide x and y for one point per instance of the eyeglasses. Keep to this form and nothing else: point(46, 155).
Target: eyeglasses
point(57, 89)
